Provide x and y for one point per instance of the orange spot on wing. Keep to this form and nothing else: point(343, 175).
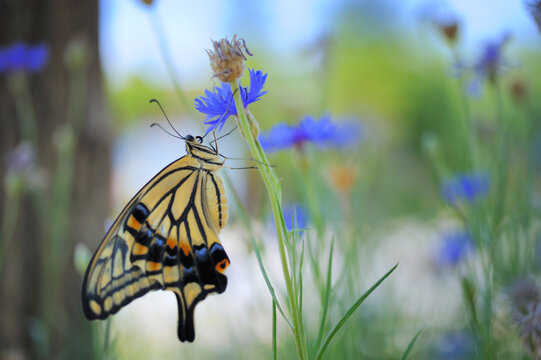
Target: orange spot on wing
point(133, 223)
point(139, 249)
point(222, 265)
point(153, 266)
point(185, 247)
point(171, 243)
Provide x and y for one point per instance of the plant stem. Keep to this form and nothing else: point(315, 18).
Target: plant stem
point(274, 192)
point(9, 220)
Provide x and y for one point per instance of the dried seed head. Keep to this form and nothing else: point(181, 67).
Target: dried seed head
point(227, 59)
point(148, 2)
point(519, 91)
point(450, 31)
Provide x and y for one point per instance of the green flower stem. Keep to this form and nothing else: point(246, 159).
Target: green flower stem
point(248, 128)
point(25, 108)
point(9, 219)
point(309, 174)
point(468, 121)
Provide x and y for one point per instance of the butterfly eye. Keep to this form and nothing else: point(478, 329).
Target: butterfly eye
point(199, 138)
point(189, 138)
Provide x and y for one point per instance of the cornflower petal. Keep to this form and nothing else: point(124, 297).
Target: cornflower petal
point(21, 57)
point(37, 57)
point(454, 247)
point(279, 137)
point(468, 187)
point(321, 132)
point(219, 105)
point(15, 57)
point(257, 81)
point(491, 60)
point(294, 217)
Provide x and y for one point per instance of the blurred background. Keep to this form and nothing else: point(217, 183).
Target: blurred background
point(441, 174)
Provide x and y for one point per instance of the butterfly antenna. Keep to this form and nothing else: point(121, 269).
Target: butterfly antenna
point(214, 134)
point(240, 168)
point(222, 136)
point(225, 112)
point(246, 159)
point(164, 114)
point(167, 132)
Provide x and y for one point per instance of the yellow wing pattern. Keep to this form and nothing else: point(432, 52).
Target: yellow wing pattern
point(165, 238)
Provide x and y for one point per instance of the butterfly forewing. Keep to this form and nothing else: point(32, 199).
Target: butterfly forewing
point(165, 238)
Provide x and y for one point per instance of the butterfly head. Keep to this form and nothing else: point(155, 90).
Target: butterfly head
point(204, 153)
point(194, 139)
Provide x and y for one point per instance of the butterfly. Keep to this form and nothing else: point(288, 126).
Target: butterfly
point(165, 238)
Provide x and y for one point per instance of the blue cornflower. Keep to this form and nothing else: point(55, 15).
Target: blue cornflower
point(219, 105)
point(454, 246)
point(295, 212)
point(468, 187)
point(22, 57)
point(489, 64)
point(322, 133)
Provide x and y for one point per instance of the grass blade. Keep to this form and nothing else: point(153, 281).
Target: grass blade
point(326, 299)
point(274, 347)
point(410, 346)
point(349, 313)
point(267, 281)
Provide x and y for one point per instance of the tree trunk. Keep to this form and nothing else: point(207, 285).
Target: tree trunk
point(40, 288)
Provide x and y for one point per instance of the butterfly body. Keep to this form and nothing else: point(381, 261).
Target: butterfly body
point(165, 238)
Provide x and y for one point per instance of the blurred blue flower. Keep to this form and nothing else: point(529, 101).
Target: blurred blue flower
point(309, 130)
point(22, 170)
point(468, 187)
point(295, 212)
point(454, 346)
point(489, 64)
point(21, 159)
point(454, 246)
point(22, 57)
point(219, 105)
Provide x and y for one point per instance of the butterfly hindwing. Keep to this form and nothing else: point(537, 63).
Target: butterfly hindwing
point(165, 238)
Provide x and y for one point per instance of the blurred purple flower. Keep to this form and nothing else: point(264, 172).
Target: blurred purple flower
point(454, 246)
point(22, 57)
point(21, 159)
point(219, 105)
point(468, 187)
point(309, 130)
point(22, 170)
point(295, 212)
point(526, 312)
point(489, 64)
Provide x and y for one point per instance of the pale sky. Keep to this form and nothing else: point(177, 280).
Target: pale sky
point(129, 45)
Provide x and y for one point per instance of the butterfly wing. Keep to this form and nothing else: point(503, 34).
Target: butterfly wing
point(165, 238)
